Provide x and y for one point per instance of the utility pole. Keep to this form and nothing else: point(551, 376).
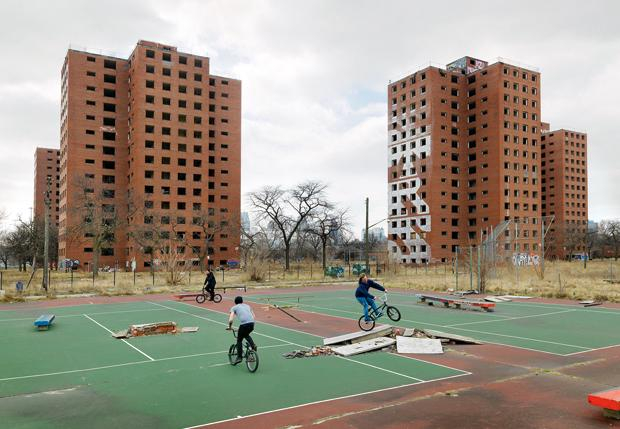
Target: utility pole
point(48, 201)
point(366, 241)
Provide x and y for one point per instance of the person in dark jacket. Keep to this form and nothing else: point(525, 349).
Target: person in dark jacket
point(209, 285)
point(365, 298)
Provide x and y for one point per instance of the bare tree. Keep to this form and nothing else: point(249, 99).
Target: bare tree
point(610, 229)
point(98, 222)
point(325, 224)
point(210, 225)
point(5, 249)
point(287, 210)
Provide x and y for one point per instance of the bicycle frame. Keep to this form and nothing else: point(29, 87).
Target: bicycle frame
point(384, 304)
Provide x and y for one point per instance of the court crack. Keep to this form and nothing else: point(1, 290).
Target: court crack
point(533, 372)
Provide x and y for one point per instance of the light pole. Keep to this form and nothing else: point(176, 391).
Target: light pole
point(366, 244)
point(46, 239)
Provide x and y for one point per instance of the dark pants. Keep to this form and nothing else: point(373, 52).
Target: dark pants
point(211, 291)
point(244, 332)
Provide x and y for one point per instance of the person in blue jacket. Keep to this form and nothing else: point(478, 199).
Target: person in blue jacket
point(365, 298)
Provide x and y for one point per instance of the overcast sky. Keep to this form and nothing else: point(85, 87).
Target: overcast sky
point(315, 75)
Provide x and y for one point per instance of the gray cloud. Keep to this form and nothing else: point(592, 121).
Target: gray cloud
point(314, 77)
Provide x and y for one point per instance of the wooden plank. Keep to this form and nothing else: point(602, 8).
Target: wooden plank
point(356, 337)
point(427, 346)
point(495, 299)
point(457, 302)
point(453, 337)
point(364, 346)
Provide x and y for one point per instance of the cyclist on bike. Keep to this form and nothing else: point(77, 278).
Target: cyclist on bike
point(365, 298)
point(209, 285)
point(246, 325)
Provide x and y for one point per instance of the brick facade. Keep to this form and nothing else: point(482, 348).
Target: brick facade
point(565, 190)
point(46, 163)
point(155, 139)
point(464, 156)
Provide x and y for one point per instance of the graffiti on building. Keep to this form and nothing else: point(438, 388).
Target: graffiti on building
point(525, 259)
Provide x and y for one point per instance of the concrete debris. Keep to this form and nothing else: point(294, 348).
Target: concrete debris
point(418, 345)
point(158, 328)
point(356, 337)
point(454, 338)
point(364, 346)
point(313, 352)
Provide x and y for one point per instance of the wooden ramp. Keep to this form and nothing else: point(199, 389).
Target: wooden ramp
point(450, 302)
point(359, 336)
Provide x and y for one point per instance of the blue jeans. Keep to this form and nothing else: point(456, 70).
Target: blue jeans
point(365, 303)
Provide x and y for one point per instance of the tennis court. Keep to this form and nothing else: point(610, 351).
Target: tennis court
point(77, 375)
point(550, 328)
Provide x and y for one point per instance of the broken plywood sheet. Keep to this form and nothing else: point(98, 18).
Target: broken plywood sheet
point(364, 346)
point(496, 299)
point(427, 346)
point(356, 337)
point(454, 337)
point(409, 332)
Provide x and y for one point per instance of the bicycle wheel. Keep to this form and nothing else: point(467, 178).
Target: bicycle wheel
point(393, 313)
point(251, 360)
point(217, 297)
point(201, 298)
point(232, 355)
point(364, 325)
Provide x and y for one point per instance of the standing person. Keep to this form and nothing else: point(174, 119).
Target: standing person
point(365, 298)
point(246, 325)
point(210, 282)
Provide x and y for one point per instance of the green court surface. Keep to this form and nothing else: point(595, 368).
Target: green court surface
point(76, 375)
point(549, 328)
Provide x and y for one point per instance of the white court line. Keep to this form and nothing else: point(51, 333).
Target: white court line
point(379, 368)
point(470, 330)
point(125, 341)
point(521, 338)
point(127, 364)
point(593, 350)
point(511, 318)
point(325, 400)
point(426, 323)
point(81, 314)
point(285, 341)
point(318, 336)
point(601, 310)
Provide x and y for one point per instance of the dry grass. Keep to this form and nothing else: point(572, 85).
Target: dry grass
point(562, 280)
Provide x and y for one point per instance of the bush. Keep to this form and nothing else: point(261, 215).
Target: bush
point(256, 271)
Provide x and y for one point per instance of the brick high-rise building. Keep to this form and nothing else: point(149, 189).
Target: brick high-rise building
point(464, 156)
point(46, 164)
point(151, 147)
point(565, 190)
